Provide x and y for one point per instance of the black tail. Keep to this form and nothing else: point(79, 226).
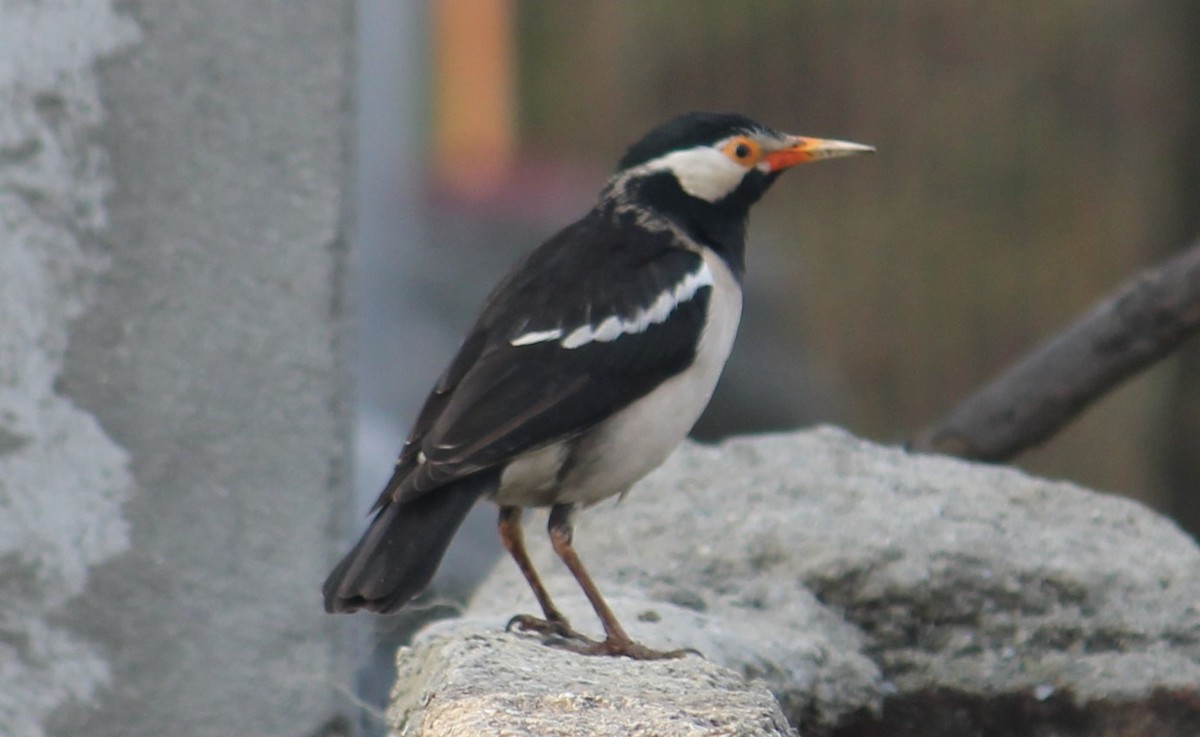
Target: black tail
point(401, 550)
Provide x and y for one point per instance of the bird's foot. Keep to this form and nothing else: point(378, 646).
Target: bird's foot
point(558, 633)
point(557, 627)
point(618, 647)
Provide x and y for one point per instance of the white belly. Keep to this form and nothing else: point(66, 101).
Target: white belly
point(637, 440)
point(621, 450)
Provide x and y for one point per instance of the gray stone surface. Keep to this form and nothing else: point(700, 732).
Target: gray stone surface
point(495, 683)
point(172, 399)
point(856, 580)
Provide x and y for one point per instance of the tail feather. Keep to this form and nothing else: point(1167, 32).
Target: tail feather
point(401, 550)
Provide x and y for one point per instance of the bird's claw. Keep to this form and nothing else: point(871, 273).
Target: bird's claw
point(558, 627)
point(558, 633)
point(623, 648)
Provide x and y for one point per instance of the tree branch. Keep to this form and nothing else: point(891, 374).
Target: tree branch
point(1142, 322)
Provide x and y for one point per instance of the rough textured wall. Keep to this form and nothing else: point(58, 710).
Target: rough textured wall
point(172, 396)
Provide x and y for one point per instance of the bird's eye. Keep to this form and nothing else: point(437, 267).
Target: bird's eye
point(742, 150)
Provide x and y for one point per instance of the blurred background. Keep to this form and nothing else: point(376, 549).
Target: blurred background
point(1032, 156)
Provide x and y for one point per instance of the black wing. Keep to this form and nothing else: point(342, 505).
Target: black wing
point(498, 400)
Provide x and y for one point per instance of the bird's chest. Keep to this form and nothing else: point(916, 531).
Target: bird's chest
point(611, 457)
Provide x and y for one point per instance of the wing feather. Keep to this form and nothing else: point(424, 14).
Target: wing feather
point(498, 400)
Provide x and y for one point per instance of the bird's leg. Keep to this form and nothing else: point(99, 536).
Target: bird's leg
point(514, 541)
point(616, 641)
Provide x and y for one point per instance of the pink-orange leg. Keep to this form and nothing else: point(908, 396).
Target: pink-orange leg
point(616, 641)
point(513, 538)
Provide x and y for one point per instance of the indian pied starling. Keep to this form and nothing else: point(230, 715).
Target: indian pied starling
point(589, 364)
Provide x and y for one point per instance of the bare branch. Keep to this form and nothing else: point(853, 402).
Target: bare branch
point(1142, 322)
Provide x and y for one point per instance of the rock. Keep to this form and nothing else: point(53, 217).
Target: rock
point(497, 683)
point(878, 592)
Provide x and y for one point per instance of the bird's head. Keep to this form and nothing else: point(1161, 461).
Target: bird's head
point(715, 165)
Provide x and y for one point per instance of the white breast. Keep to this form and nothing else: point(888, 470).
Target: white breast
point(639, 438)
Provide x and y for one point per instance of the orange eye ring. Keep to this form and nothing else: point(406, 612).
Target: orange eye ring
point(743, 150)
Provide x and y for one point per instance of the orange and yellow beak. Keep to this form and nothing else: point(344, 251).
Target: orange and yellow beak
point(801, 150)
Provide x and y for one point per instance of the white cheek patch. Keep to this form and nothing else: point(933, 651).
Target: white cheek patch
point(703, 172)
point(613, 326)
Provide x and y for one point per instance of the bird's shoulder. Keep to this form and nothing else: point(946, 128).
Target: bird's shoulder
point(609, 262)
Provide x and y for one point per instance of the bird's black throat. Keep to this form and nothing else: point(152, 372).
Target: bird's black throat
point(720, 225)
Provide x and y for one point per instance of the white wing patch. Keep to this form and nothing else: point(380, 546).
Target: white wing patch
point(614, 326)
point(539, 336)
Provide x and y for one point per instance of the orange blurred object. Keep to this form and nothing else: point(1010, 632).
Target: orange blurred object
point(474, 106)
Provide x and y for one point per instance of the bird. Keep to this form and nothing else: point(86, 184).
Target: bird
point(588, 364)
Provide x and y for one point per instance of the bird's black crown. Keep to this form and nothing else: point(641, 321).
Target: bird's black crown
point(687, 131)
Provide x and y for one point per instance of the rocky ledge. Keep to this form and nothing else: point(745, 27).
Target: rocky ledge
point(867, 590)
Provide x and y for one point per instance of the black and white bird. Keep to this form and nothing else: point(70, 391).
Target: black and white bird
point(588, 365)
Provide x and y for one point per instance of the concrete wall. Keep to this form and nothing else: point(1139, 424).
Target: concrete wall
point(173, 404)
